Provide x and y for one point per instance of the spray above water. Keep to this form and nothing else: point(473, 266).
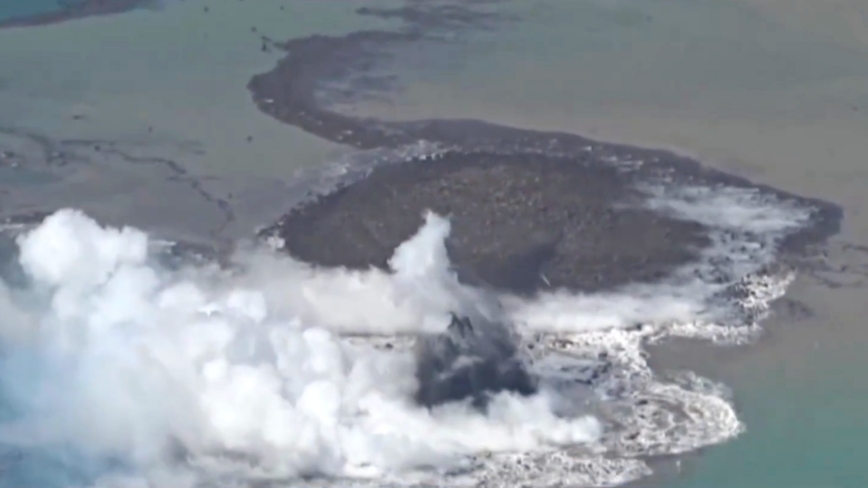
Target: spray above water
point(470, 361)
point(243, 374)
point(116, 370)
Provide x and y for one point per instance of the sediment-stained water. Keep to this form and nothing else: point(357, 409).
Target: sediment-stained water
point(295, 370)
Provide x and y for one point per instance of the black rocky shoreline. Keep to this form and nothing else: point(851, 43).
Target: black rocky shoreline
point(530, 210)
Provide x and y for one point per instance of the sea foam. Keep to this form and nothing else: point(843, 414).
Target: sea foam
point(116, 370)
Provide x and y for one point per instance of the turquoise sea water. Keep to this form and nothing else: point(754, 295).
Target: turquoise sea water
point(800, 436)
point(10, 9)
point(804, 416)
point(801, 396)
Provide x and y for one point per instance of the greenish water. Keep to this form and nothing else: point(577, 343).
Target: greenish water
point(802, 432)
point(18, 176)
point(800, 436)
point(584, 60)
point(802, 395)
point(10, 9)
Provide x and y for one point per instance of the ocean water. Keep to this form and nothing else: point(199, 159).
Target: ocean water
point(165, 88)
point(11, 9)
point(757, 87)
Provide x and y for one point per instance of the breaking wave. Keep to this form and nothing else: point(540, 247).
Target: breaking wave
point(119, 370)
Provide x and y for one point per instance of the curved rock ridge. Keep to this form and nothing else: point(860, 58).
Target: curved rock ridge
point(531, 210)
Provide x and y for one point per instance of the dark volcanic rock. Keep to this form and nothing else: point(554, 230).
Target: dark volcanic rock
point(520, 222)
point(530, 209)
point(470, 361)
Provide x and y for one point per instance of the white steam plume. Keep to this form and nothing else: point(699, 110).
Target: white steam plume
point(242, 373)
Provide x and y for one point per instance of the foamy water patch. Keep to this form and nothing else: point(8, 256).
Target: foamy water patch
point(721, 298)
point(230, 374)
point(273, 370)
point(723, 294)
